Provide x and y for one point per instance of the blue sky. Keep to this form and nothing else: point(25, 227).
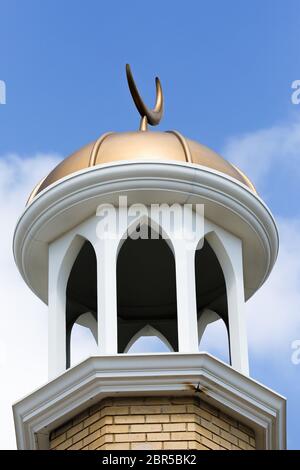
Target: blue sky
point(226, 70)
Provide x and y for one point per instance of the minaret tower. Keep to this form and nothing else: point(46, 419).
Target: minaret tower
point(147, 233)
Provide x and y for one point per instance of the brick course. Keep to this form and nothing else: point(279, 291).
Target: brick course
point(152, 423)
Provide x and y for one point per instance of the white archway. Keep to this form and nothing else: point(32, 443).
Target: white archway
point(149, 332)
point(83, 339)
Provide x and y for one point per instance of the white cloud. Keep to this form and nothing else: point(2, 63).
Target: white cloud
point(260, 152)
point(273, 313)
point(23, 331)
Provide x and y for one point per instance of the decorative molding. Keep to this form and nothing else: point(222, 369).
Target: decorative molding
point(73, 199)
point(148, 374)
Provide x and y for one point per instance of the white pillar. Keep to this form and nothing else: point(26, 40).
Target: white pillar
point(106, 253)
point(186, 297)
point(62, 255)
point(228, 249)
point(56, 316)
point(237, 315)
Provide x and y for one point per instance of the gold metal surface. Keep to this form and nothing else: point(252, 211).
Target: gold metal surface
point(148, 116)
point(142, 146)
point(96, 148)
point(185, 147)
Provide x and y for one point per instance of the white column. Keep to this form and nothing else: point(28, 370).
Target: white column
point(228, 249)
point(106, 252)
point(62, 255)
point(186, 297)
point(237, 315)
point(56, 317)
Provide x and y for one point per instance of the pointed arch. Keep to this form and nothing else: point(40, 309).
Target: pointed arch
point(83, 338)
point(70, 253)
point(211, 294)
point(146, 287)
point(148, 331)
point(142, 221)
point(214, 335)
point(81, 291)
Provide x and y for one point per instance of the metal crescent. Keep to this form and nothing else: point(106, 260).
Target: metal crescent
point(153, 115)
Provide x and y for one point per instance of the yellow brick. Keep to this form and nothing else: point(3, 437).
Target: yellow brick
point(91, 419)
point(145, 427)
point(91, 437)
point(199, 412)
point(129, 401)
point(228, 419)
point(80, 435)
point(208, 408)
point(139, 410)
point(129, 419)
point(114, 410)
point(240, 434)
point(80, 417)
point(183, 436)
point(100, 442)
point(173, 409)
point(58, 440)
point(158, 418)
point(210, 444)
point(229, 437)
point(174, 427)
point(146, 446)
point(158, 436)
point(77, 446)
point(75, 429)
point(199, 429)
point(210, 426)
point(132, 437)
point(198, 446)
point(183, 400)
point(117, 446)
point(182, 418)
point(115, 429)
point(246, 429)
point(101, 422)
point(157, 401)
point(252, 442)
point(176, 445)
point(61, 430)
point(64, 445)
point(243, 445)
point(222, 442)
point(220, 423)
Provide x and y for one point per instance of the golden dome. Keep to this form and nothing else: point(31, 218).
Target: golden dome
point(141, 146)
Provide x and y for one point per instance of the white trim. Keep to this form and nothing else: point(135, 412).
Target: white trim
point(71, 200)
point(129, 375)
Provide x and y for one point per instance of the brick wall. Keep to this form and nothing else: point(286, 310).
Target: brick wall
point(152, 423)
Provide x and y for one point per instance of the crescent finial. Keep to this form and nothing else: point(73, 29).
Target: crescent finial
point(151, 116)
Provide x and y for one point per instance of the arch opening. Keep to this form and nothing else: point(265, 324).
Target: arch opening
point(148, 340)
point(146, 289)
point(212, 305)
point(81, 304)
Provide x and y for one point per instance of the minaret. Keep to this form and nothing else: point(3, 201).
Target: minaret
point(147, 233)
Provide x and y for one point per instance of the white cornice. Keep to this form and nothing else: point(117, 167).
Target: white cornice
point(98, 377)
point(71, 200)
